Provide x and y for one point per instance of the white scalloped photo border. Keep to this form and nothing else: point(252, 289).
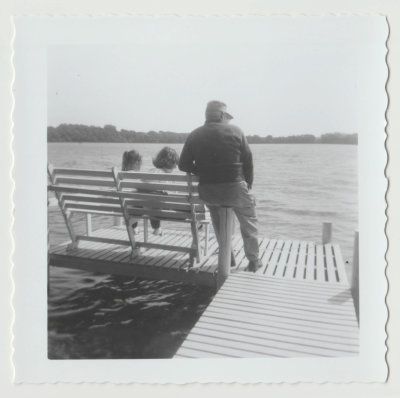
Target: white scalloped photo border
point(30, 230)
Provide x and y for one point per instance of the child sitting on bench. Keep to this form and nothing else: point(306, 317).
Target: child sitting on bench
point(132, 161)
point(165, 162)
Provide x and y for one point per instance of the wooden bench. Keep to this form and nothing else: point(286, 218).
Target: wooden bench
point(131, 196)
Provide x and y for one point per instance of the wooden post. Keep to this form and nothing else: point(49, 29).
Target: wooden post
point(326, 232)
point(355, 292)
point(225, 244)
point(88, 224)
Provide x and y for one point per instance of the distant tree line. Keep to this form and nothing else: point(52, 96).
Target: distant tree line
point(109, 133)
point(328, 138)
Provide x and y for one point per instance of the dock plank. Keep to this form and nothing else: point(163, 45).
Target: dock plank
point(301, 263)
point(283, 259)
point(266, 256)
point(330, 267)
point(320, 269)
point(271, 254)
point(272, 264)
point(338, 260)
point(291, 263)
point(310, 270)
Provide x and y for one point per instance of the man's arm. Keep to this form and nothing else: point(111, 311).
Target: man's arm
point(247, 160)
point(186, 160)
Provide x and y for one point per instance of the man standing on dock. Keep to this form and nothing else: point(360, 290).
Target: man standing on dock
point(219, 154)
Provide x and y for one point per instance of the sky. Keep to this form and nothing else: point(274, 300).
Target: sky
point(278, 76)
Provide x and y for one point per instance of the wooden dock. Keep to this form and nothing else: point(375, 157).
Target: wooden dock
point(281, 259)
point(259, 316)
point(151, 263)
point(298, 304)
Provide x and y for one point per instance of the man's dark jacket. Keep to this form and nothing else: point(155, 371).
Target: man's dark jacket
point(218, 153)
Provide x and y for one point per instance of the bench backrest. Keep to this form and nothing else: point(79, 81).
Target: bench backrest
point(164, 196)
point(91, 191)
point(161, 195)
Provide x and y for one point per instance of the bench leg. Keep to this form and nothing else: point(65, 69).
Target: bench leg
point(89, 224)
point(196, 243)
point(135, 253)
point(145, 229)
point(206, 235)
point(135, 250)
point(74, 242)
point(72, 245)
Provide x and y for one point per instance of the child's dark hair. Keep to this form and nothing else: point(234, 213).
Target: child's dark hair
point(129, 159)
point(167, 158)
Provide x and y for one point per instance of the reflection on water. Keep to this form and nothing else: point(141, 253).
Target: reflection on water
point(119, 317)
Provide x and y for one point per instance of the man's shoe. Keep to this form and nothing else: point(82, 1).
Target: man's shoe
point(254, 266)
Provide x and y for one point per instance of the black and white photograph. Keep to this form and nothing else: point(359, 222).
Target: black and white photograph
point(206, 189)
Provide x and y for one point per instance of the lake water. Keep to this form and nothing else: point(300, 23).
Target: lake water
point(297, 188)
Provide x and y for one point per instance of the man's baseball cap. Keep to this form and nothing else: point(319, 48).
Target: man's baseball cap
point(215, 107)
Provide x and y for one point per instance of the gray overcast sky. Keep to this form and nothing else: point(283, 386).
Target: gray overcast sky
point(278, 76)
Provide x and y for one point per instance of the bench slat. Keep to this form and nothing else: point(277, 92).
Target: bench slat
point(164, 205)
point(79, 190)
point(107, 213)
point(84, 181)
point(171, 198)
point(176, 198)
point(148, 187)
point(90, 199)
point(82, 172)
point(80, 206)
point(133, 175)
point(162, 214)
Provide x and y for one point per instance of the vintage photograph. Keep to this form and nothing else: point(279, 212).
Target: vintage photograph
point(202, 191)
